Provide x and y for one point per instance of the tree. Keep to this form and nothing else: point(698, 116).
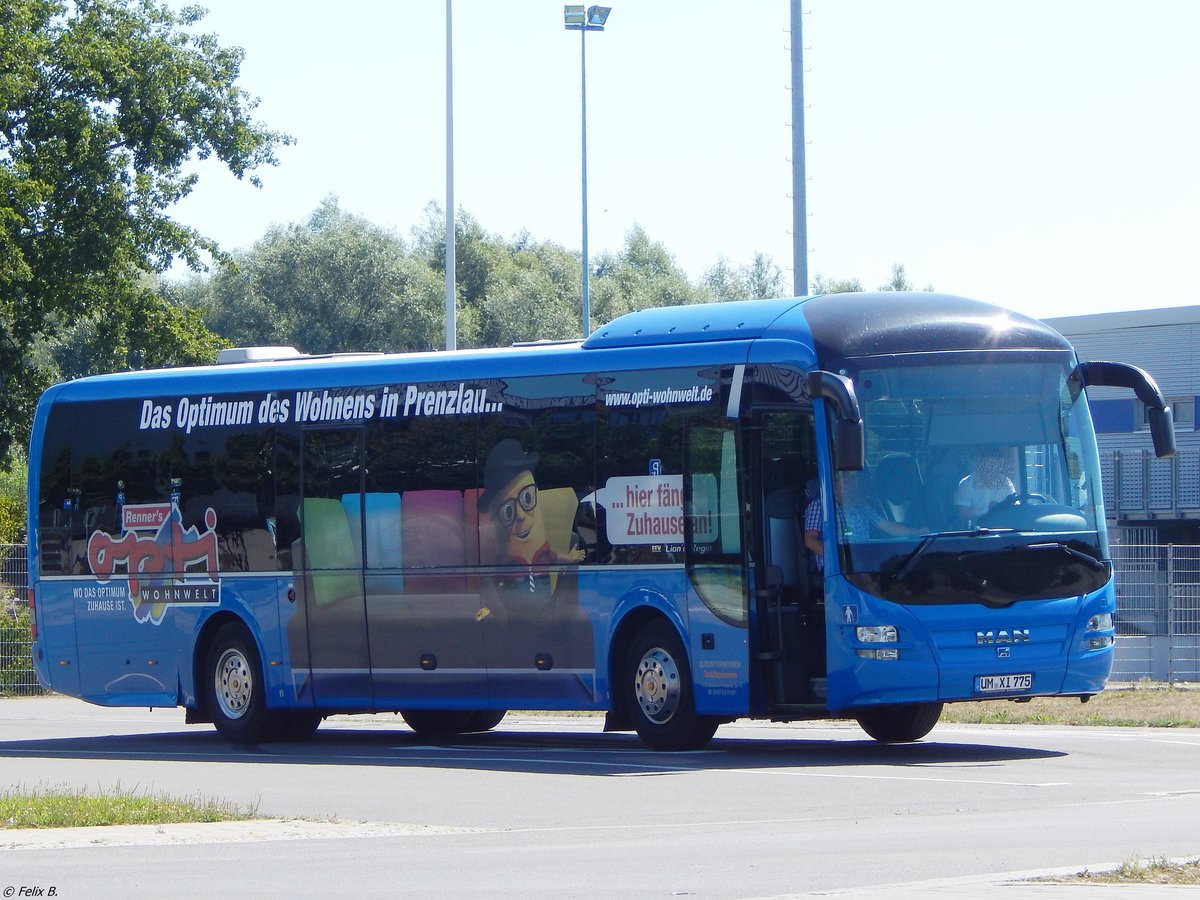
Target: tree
point(532, 293)
point(824, 285)
point(900, 282)
point(761, 279)
point(140, 329)
point(641, 276)
point(508, 290)
point(103, 104)
point(333, 283)
point(13, 499)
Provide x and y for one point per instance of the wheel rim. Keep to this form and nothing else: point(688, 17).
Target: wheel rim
point(656, 685)
point(234, 683)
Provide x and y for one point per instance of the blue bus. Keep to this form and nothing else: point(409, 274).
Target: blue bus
point(848, 506)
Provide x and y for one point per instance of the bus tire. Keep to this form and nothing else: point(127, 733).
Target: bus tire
point(436, 723)
point(296, 724)
point(234, 688)
point(486, 719)
point(900, 723)
point(657, 682)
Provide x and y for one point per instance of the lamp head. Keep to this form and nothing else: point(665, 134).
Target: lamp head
point(575, 18)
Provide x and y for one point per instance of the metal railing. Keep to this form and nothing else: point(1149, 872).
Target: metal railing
point(16, 667)
point(1158, 616)
point(1158, 612)
point(1138, 485)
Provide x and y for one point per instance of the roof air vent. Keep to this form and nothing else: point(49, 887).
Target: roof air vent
point(232, 355)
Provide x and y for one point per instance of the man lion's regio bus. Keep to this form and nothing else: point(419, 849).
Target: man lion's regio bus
point(617, 525)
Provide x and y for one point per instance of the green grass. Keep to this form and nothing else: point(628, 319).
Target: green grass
point(1144, 705)
point(63, 807)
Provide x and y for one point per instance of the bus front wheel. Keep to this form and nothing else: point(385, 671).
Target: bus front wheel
point(900, 723)
point(658, 691)
point(234, 688)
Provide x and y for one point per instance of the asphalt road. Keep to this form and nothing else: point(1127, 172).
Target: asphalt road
point(553, 807)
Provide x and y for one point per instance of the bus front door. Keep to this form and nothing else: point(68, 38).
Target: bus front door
point(789, 602)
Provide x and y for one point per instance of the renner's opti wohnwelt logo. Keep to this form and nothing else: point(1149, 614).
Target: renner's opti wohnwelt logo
point(144, 516)
point(161, 559)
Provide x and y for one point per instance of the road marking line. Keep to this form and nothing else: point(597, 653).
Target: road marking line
point(215, 833)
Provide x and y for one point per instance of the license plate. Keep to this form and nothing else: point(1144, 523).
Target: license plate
point(1003, 684)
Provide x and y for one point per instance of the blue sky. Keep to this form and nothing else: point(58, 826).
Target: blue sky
point(1041, 154)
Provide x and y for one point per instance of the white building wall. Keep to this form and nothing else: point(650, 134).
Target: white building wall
point(1164, 342)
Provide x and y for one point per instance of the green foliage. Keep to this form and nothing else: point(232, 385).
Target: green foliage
point(103, 104)
point(143, 329)
point(532, 291)
point(900, 281)
point(643, 275)
point(824, 285)
point(13, 500)
point(339, 283)
point(761, 279)
point(333, 283)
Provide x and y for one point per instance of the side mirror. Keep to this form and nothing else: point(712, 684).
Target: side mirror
point(1162, 431)
point(850, 452)
point(1111, 374)
point(849, 443)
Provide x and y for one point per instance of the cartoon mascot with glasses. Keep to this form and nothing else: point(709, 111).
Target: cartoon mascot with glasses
point(510, 498)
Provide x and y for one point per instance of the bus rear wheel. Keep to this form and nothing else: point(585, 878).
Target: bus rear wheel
point(657, 682)
point(487, 719)
point(234, 689)
point(449, 722)
point(901, 723)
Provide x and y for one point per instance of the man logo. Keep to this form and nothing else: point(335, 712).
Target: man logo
point(1016, 636)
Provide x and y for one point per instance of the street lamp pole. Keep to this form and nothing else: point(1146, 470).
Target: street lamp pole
point(799, 199)
point(576, 19)
point(451, 281)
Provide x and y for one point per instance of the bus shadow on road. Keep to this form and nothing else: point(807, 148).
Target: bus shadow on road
point(533, 751)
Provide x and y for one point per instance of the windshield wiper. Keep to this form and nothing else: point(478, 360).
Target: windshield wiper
point(1090, 561)
point(928, 540)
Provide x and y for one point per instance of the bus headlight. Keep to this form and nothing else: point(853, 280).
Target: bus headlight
point(884, 653)
point(1101, 622)
point(877, 634)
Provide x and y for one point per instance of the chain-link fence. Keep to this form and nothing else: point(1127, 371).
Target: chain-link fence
point(1158, 616)
point(1158, 612)
point(16, 669)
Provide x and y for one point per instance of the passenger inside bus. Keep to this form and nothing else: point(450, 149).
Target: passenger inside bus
point(861, 516)
point(902, 491)
point(784, 505)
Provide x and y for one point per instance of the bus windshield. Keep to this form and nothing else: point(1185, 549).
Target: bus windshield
point(982, 480)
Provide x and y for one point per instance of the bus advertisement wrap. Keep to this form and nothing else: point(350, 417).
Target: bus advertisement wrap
point(785, 509)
